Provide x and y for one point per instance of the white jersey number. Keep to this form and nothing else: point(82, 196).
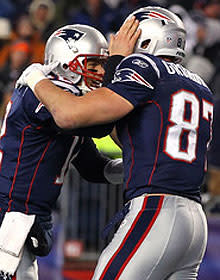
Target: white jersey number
point(3, 128)
point(181, 126)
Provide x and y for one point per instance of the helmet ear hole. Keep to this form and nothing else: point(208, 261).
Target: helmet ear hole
point(65, 66)
point(145, 43)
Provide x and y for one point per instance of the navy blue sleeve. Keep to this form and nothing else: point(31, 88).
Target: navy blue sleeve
point(34, 109)
point(136, 78)
point(90, 162)
point(97, 131)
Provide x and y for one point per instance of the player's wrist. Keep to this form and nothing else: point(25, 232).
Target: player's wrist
point(34, 78)
point(110, 67)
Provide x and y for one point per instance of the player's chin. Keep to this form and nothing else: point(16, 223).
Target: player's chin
point(95, 84)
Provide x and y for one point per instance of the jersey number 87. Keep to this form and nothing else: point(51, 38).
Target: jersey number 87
point(179, 125)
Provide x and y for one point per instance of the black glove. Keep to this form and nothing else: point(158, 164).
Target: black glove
point(40, 238)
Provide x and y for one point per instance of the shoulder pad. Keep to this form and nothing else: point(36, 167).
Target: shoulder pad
point(66, 85)
point(141, 61)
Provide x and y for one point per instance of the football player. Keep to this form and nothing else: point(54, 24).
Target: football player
point(35, 152)
point(164, 115)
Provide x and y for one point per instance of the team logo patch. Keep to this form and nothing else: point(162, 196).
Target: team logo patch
point(129, 75)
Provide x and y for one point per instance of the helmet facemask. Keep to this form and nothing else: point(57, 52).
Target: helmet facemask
point(90, 67)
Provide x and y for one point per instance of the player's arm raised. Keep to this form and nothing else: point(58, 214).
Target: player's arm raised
point(101, 105)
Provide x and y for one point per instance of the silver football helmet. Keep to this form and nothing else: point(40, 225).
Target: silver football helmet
point(162, 33)
point(73, 46)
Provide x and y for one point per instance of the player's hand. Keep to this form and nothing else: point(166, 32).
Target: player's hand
point(34, 73)
point(123, 42)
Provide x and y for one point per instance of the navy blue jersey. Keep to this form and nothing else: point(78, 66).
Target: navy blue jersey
point(165, 137)
point(35, 154)
point(214, 150)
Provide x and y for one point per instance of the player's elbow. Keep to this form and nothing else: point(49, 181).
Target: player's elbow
point(64, 120)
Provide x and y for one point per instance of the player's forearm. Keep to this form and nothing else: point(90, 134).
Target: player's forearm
point(70, 112)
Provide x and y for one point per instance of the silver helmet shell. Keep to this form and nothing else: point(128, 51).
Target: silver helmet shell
point(72, 46)
point(162, 33)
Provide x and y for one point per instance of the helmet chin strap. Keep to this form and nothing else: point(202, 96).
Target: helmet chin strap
point(83, 87)
point(67, 74)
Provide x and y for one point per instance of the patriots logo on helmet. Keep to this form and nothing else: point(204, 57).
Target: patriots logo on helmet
point(149, 15)
point(68, 34)
point(129, 75)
